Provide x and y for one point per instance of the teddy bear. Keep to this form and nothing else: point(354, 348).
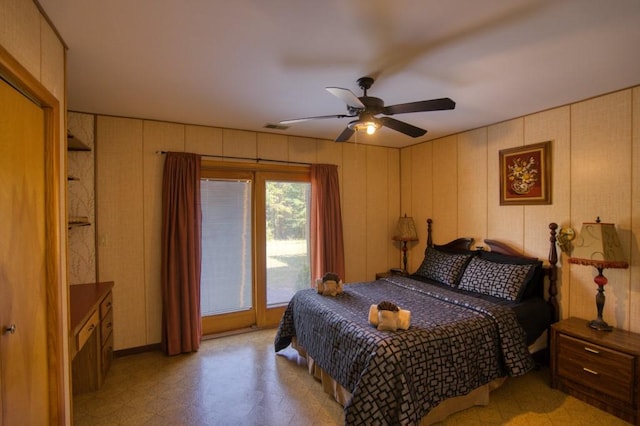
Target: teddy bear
point(329, 285)
point(387, 316)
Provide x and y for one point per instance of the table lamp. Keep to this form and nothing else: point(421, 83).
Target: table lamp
point(405, 232)
point(598, 245)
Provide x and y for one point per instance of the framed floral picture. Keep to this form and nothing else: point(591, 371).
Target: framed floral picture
point(525, 174)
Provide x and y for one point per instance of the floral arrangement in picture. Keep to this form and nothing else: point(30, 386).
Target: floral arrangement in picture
point(525, 174)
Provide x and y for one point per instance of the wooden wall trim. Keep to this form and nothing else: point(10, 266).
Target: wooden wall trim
point(16, 75)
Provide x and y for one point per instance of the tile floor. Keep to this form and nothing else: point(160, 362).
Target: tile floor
point(239, 380)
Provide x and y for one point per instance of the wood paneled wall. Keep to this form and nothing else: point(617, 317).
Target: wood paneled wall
point(128, 211)
point(595, 156)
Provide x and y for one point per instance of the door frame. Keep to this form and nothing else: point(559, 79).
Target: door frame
point(22, 80)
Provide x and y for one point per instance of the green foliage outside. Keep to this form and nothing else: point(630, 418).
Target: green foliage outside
point(287, 210)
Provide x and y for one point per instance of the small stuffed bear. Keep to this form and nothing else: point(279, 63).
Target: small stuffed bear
point(388, 316)
point(330, 285)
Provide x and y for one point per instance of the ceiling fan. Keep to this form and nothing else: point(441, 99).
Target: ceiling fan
point(367, 107)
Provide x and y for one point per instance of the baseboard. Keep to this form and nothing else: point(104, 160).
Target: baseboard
point(235, 332)
point(137, 350)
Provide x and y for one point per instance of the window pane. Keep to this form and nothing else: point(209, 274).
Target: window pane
point(287, 216)
point(226, 246)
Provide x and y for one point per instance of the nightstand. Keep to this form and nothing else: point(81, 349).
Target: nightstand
point(601, 368)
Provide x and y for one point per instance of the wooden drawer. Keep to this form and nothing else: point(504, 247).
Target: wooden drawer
point(106, 326)
point(609, 371)
point(86, 330)
point(105, 305)
point(106, 354)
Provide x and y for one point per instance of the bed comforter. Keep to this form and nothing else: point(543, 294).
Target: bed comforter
point(455, 344)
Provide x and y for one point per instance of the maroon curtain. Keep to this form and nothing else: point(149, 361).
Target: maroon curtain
point(181, 248)
point(327, 246)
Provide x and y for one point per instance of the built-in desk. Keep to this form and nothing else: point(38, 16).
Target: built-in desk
point(91, 337)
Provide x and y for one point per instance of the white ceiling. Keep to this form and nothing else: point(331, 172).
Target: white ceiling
point(245, 63)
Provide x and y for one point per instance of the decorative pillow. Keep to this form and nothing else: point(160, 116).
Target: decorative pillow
point(504, 280)
point(534, 285)
point(443, 267)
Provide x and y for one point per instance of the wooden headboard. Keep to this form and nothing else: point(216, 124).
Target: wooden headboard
point(550, 270)
point(457, 244)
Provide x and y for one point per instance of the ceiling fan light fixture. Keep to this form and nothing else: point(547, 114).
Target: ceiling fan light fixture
point(369, 126)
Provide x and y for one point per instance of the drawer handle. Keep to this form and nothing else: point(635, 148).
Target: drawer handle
point(588, 370)
point(109, 325)
point(91, 327)
point(593, 351)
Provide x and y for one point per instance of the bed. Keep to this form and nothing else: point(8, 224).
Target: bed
point(476, 318)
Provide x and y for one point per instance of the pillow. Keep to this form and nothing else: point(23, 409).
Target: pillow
point(504, 280)
point(443, 267)
point(534, 286)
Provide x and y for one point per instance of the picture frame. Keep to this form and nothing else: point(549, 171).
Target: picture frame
point(525, 175)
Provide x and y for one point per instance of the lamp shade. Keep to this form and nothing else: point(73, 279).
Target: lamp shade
point(405, 230)
point(598, 245)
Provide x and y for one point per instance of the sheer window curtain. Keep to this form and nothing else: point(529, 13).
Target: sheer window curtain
point(327, 245)
point(181, 253)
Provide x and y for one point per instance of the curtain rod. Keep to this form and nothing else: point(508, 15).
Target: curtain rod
point(247, 158)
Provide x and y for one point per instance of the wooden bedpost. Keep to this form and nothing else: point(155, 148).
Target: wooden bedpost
point(457, 244)
point(553, 274)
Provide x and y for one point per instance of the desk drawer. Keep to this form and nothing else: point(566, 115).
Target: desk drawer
point(607, 370)
point(86, 330)
point(105, 305)
point(106, 326)
point(107, 354)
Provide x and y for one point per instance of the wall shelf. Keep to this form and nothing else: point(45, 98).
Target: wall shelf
point(75, 144)
point(77, 221)
point(81, 218)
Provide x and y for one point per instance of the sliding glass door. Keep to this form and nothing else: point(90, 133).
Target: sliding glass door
point(255, 245)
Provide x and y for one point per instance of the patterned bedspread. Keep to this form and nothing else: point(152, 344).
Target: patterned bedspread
point(455, 344)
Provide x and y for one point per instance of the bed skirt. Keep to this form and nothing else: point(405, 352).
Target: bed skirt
point(478, 396)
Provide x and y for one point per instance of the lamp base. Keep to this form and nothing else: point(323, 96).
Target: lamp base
point(600, 325)
point(404, 257)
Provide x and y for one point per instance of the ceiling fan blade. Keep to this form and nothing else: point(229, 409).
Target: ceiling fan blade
point(420, 106)
point(402, 127)
point(347, 96)
point(345, 135)
point(319, 117)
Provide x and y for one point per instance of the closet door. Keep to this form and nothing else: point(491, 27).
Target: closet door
point(24, 381)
